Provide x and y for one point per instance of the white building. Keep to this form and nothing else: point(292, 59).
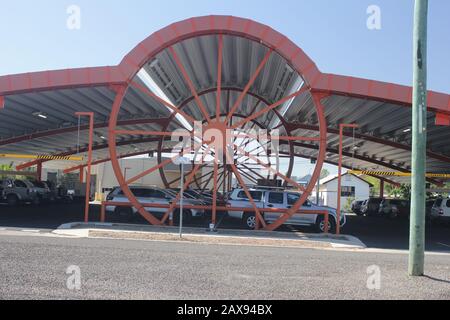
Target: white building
point(353, 188)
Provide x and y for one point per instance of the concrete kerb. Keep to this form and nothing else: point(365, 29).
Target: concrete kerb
point(199, 235)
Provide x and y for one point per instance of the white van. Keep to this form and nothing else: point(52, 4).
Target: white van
point(441, 209)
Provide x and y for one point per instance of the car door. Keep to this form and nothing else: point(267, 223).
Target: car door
point(274, 200)
point(160, 198)
point(21, 188)
point(292, 199)
point(446, 208)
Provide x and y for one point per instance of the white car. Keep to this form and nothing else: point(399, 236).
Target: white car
point(151, 195)
point(283, 200)
point(441, 209)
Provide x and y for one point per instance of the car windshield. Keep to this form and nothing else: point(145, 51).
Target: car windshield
point(438, 203)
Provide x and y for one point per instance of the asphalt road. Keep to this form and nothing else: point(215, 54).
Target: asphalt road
point(374, 232)
point(34, 267)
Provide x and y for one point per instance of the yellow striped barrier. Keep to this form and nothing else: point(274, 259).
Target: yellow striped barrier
point(40, 157)
point(396, 174)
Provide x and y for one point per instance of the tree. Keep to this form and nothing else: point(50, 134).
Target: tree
point(403, 192)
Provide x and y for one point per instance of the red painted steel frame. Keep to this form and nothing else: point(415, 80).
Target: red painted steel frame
point(88, 176)
point(338, 209)
point(274, 41)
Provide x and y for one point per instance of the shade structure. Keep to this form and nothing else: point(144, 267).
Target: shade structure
point(225, 69)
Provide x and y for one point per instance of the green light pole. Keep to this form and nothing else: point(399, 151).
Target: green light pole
point(419, 141)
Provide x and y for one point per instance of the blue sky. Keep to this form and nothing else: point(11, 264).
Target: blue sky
point(333, 33)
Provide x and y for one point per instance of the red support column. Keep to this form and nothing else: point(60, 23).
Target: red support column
point(381, 188)
point(82, 174)
point(39, 171)
point(88, 176)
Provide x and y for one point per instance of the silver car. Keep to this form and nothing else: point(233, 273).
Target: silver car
point(282, 200)
point(151, 195)
point(14, 192)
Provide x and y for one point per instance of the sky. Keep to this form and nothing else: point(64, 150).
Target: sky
point(35, 36)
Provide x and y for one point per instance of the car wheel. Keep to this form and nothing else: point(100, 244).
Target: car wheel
point(320, 224)
point(12, 200)
point(249, 221)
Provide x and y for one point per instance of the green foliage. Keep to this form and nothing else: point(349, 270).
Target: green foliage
point(375, 190)
point(348, 205)
point(403, 192)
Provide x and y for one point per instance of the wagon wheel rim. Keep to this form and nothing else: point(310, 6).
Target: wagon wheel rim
point(321, 139)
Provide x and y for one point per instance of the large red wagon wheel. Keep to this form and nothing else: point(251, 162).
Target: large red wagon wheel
point(218, 120)
point(203, 182)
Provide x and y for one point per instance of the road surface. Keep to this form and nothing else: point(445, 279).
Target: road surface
point(33, 266)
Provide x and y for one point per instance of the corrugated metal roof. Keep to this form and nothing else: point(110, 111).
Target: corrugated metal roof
point(384, 121)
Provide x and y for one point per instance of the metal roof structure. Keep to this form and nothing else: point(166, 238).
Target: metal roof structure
point(37, 109)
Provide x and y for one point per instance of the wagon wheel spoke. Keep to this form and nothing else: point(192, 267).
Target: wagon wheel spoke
point(271, 107)
point(161, 165)
point(184, 176)
point(169, 105)
point(267, 167)
point(249, 196)
point(184, 187)
point(219, 77)
point(249, 85)
point(191, 86)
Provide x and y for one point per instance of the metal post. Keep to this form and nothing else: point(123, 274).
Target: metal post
point(381, 188)
point(88, 176)
point(419, 136)
point(339, 188)
point(39, 171)
point(318, 192)
point(181, 199)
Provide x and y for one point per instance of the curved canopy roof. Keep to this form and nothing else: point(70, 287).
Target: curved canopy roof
point(37, 114)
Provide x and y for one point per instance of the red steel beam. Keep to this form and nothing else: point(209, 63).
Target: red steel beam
point(359, 136)
point(94, 148)
point(160, 121)
point(362, 158)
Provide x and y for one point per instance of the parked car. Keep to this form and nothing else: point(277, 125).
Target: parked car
point(280, 199)
point(43, 191)
point(371, 206)
point(441, 209)
point(151, 195)
point(14, 192)
point(356, 206)
point(393, 208)
point(429, 207)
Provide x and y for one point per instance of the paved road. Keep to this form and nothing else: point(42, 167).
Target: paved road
point(374, 232)
point(33, 267)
